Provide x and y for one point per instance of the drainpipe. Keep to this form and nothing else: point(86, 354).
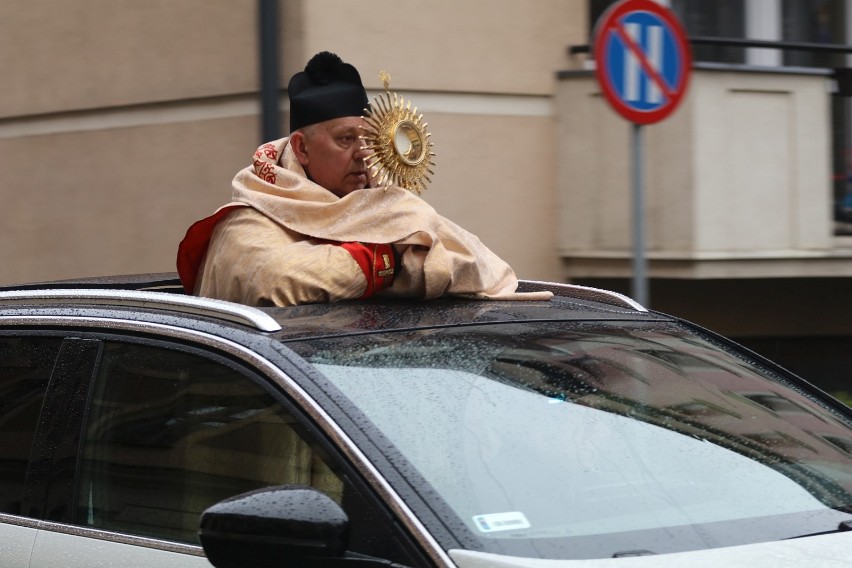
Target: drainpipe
point(269, 75)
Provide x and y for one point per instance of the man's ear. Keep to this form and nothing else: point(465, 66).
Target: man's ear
point(297, 143)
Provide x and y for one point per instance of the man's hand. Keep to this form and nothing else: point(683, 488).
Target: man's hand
point(379, 263)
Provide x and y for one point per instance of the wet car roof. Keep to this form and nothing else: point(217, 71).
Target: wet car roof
point(317, 320)
point(570, 303)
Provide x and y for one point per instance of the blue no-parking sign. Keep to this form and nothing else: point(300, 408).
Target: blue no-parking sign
point(642, 59)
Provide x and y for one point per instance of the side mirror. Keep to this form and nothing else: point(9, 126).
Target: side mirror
point(273, 527)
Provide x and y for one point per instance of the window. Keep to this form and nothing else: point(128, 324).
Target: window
point(718, 19)
point(814, 21)
point(775, 402)
point(25, 367)
point(170, 433)
point(843, 443)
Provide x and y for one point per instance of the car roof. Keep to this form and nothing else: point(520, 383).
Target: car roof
point(163, 293)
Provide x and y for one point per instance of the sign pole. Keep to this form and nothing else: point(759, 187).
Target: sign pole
point(642, 63)
point(639, 289)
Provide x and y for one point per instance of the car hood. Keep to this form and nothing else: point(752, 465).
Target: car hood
point(824, 551)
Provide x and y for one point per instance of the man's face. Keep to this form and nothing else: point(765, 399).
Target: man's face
point(332, 154)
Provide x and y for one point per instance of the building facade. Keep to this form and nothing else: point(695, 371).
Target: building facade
point(123, 122)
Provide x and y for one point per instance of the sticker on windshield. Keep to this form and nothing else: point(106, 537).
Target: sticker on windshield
point(501, 522)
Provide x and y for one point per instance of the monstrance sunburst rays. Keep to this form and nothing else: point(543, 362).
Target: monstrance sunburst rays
point(398, 144)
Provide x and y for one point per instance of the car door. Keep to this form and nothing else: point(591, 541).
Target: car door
point(165, 430)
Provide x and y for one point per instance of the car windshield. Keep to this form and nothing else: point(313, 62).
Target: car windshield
point(589, 440)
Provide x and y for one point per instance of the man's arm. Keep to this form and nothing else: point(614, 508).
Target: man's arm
point(379, 262)
point(255, 261)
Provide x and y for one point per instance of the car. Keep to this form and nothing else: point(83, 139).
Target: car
point(140, 426)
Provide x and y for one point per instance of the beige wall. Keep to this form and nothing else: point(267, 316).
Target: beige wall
point(486, 46)
point(762, 163)
point(510, 202)
point(90, 54)
point(112, 201)
point(737, 180)
point(121, 122)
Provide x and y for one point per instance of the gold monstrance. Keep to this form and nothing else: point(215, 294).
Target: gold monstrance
point(398, 145)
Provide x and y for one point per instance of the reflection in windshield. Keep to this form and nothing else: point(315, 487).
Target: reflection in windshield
point(555, 432)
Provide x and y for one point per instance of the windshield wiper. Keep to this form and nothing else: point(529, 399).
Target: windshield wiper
point(842, 527)
point(626, 553)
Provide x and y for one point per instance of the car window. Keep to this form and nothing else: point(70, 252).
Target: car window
point(170, 433)
point(25, 367)
point(580, 440)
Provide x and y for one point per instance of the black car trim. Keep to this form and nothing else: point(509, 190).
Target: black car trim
point(653, 316)
point(54, 457)
point(70, 384)
point(290, 387)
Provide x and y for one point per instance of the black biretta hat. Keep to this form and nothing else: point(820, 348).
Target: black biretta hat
point(327, 88)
